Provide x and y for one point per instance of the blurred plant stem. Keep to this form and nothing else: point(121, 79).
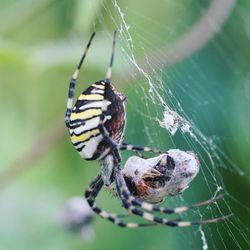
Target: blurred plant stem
point(193, 40)
point(41, 146)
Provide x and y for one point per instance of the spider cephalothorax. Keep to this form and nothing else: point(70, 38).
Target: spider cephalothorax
point(96, 124)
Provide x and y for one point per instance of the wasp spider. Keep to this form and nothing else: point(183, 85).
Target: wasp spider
point(96, 125)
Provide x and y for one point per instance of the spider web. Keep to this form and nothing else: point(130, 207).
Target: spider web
point(159, 105)
point(167, 100)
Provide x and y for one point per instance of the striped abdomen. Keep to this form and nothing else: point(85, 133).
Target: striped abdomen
point(98, 99)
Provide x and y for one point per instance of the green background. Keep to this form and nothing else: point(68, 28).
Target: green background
point(40, 44)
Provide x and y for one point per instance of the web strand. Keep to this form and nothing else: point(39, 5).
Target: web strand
point(163, 109)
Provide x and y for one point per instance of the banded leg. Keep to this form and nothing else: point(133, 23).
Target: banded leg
point(150, 207)
point(164, 210)
point(73, 83)
point(137, 148)
point(91, 194)
point(139, 154)
point(109, 71)
point(127, 200)
point(105, 132)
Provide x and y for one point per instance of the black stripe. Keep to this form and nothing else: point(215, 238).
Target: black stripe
point(81, 148)
point(71, 88)
point(77, 143)
point(89, 89)
point(110, 218)
point(76, 124)
point(88, 193)
point(72, 126)
point(107, 80)
point(121, 224)
point(134, 147)
point(90, 201)
point(77, 110)
point(97, 210)
point(99, 83)
point(172, 223)
point(85, 52)
point(158, 220)
point(137, 212)
point(83, 102)
point(84, 132)
point(165, 210)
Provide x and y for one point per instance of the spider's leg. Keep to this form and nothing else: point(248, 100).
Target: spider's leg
point(139, 154)
point(127, 198)
point(164, 210)
point(109, 71)
point(114, 146)
point(73, 83)
point(132, 147)
point(153, 208)
point(105, 133)
point(90, 196)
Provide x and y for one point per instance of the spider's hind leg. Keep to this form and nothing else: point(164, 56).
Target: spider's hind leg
point(90, 196)
point(129, 201)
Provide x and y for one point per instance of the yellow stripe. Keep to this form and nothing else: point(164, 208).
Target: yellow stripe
point(85, 136)
point(85, 114)
point(92, 97)
point(98, 86)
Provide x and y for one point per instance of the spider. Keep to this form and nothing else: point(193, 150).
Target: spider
point(96, 125)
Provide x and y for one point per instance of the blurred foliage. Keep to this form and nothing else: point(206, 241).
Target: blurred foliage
point(41, 42)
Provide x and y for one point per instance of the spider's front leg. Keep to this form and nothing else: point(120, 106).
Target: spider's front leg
point(72, 84)
point(90, 196)
point(113, 145)
point(138, 149)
